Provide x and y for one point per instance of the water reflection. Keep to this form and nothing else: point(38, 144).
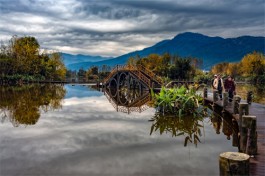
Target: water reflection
point(191, 128)
point(187, 126)
point(87, 134)
point(222, 120)
point(128, 100)
point(23, 105)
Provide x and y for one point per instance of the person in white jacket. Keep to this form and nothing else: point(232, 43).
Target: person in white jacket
point(218, 84)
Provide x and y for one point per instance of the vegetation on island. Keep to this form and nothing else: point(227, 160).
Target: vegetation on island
point(180, 111)
point(190, 128)
point(22, 60)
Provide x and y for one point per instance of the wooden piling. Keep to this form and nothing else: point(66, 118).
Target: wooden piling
point(233, 163)
point(215, 95)
point(205, 92)
point(249, 97)
point(243, 110)
point(235, 105)
point(225, 99)
point(250, 122)
point(235, 140)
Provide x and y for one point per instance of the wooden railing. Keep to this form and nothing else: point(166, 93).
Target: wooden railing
point(142, 77)
point(141, 73)
point(141, 101)
point(150, 74)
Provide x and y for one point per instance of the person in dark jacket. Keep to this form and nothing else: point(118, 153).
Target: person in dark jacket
point(230, 87)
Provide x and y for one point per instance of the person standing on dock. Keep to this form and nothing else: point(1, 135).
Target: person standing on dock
point(230, 87)
point(218, 84)
point(215, 76)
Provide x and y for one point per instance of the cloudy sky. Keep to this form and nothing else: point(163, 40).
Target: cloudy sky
point(115, 27)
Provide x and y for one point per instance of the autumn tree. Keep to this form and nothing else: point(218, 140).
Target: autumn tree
point(252, 64)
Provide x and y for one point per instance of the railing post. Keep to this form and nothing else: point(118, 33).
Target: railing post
point(243, 110)
point(205, 92)
point(215, 95)
point(235, 105)
point(225, 99)
point(249, 97)
point(250, 122)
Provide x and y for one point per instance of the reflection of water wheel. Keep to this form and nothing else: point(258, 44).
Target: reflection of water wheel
point(113, 87)
point(123, 96)
point(123, 80)
point(136, 84)
point(127, 96)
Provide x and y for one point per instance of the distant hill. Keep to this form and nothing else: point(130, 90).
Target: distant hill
point(72, 59)
point(212, 50)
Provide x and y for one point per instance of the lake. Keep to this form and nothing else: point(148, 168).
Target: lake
point(76, 130)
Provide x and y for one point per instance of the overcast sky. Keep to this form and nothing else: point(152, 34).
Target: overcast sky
point(115, 27)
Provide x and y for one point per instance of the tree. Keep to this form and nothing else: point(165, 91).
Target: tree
point(26, 50)
point(131, 61)
point(21, 58)
point(58, 67)
point(252, 64)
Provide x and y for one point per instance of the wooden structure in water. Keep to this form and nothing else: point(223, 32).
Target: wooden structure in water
point(251, 121)
point(132, 77)
point(127, 101)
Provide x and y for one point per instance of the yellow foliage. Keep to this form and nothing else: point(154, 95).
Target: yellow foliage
point(252, 64)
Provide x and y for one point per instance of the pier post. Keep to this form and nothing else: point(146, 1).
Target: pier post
point(215, 95)
point(235, 105)
point(205, 92)
point(250, 122)
point(243, 110)
point(233, 163)
point(235, 141)
point(225, 99)
point(249, 97)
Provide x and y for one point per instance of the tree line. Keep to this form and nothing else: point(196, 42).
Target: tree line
point(168, 66)
point(21, 59)
point(94, 73)
point(250, 68)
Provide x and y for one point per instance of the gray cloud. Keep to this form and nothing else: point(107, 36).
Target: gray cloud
point(112, 28)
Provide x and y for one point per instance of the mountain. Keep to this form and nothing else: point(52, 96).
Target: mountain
point(72, 59)
point(212, 50)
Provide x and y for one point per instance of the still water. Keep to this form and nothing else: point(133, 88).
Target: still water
point(76, 130)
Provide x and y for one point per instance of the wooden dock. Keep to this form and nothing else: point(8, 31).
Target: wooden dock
point(257, 162)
